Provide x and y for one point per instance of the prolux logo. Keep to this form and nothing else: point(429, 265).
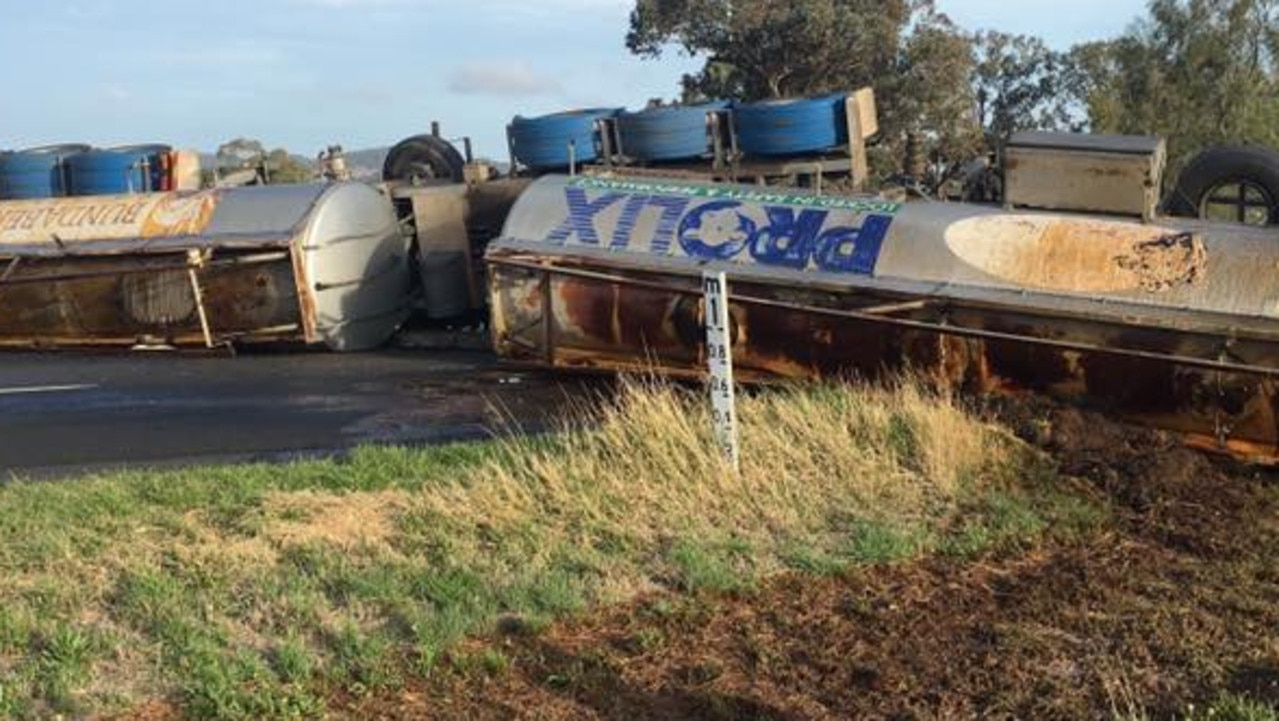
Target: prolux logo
point(834, 240)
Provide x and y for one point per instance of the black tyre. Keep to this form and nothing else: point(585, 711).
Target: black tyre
point(421, 159)
point(1232, 184)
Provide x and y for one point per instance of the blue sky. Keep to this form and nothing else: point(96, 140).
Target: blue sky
point(306, 73)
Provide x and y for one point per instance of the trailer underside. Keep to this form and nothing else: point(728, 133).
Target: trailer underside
point(570, 314)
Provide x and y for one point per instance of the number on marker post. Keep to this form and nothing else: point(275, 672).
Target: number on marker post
point(719, 355)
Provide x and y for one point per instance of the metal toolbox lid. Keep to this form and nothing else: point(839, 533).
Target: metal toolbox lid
point(1084, 142)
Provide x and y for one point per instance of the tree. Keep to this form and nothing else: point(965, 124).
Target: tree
point(928, 98)
point(284, 169)
point(757, 49)
point(240, 153)
point(918, 61)
point(1198, 72)
point(1020, 85)
point(275, 167)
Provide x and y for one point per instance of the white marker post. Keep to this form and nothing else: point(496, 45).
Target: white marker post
point(719, 355)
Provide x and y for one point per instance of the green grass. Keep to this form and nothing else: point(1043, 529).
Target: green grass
point(1232, 707)
point(1227, 707)
point(255, 591)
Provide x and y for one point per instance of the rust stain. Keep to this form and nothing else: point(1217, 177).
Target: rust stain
point(306, 298)
point(1166, 262)
point(629, 326)
point(1107, 172)
point(95, 301)
point(1079, 255)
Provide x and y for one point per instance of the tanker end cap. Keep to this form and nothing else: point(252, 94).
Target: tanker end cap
point(355, 264)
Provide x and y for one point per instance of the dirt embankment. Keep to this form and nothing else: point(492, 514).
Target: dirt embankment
point(1174, 604)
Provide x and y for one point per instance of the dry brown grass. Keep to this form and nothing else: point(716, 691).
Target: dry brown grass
point(344, 522)
point(647, 465)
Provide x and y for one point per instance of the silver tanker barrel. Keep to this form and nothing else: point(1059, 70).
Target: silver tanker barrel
point(315, 264)
point(1175, 324)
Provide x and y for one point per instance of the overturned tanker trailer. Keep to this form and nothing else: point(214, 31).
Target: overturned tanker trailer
point(313, 264)
point(1173, 323)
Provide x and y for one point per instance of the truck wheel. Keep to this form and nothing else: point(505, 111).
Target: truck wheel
point(423, 158)
point(1231, 184)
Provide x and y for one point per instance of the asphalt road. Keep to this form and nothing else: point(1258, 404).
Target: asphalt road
point(64, 413)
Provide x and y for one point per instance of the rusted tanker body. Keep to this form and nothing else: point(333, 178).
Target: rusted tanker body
point(1174, 324)
point(308, 264)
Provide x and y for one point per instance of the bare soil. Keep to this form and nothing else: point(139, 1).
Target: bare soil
point(1174, 604)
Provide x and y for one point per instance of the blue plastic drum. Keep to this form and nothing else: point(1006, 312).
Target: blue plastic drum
point(667, 133)
point(543, 143)
point(36, 172)
point(792, 127)
point(127, 169)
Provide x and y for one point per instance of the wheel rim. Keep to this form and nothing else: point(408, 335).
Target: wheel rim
point(1238, 201)
point(420, 172)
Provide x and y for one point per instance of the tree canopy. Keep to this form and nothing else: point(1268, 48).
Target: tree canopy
point(281, 166)
point(934, 80)
point(1020, 84)
point(1198, 72)
point(915, 58)
point(768, 49)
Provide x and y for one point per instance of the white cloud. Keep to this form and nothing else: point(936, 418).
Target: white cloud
point(507, 78)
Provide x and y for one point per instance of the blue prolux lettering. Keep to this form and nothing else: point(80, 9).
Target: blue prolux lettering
point(581, 217)
point(853, 250)
point(788, 241)
point(723, 229)
point(667, 223)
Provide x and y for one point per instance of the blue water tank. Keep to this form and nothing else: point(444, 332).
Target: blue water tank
point(36, 172)
point(125, 169)
point(667, 133)
point(542, 143)
point(792, 127)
